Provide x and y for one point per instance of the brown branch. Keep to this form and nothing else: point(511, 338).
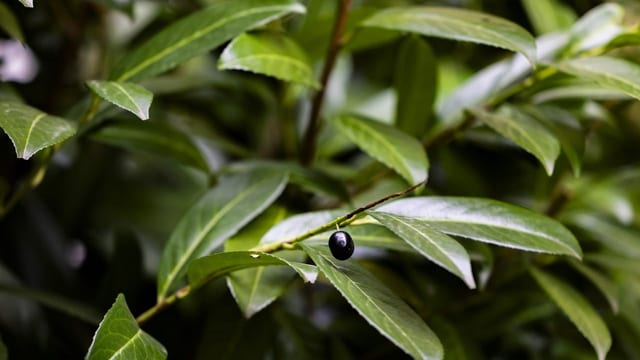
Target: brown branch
point(308, 145)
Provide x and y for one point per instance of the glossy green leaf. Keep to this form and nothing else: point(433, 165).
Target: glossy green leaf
point(607, 288)
point(566, 128)
point(578, 309)
point(219, 214)
point(434, 245)
point(392, 147)
point(489, 221)
point(27, 3)
point(299, 224)
point(415, 84)
point(154, 138)
point(31, 130)
point(254, 289)
point(210, 267)
point(611, 73)
point(120, 337)
point(199, 33)
point(9, 23)
point(383, 309)
point(525, 132)
point(548, 15)
point(271, 54)
point(457, 24)
point(131, 97)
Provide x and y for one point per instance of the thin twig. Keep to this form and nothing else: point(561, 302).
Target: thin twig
point(163, 304)
point(313, 126)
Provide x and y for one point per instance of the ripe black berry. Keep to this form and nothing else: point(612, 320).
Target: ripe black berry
point(341, 245)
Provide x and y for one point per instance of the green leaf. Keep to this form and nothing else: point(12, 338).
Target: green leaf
point(383, 309)
point(615, 263)
point(131, 97)
point(120, 337)
point(219, 214)
point(434, 245)
point(31, 130)
point(199, 33)
point(369, 235)
point(299, 224)
point(152, 137)
point(53, 301)
point(524, 131)
point(578, 90)
point(271, 54)
point(210, 267)
point(27, 3)
point(9, 23)
point(610, 73)
point(549, 15)
point(392, 147)
point(578, 309)
point(600, 281)
point(489, 221)
point(415, 82)
point(596, 28)
point(457, 24)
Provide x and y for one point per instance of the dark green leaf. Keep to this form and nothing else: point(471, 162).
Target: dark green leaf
point(53, 301)
point(383, 309)
point(399, 151)
point(198, 33)
point(219, 214)
point(131, 97)
point(578, 309)
point(436, 246)
point(31, 130)
point(210, 267)
point(451, 339)
point(615, 263)
point(611, 73)
point(154, 138)
point(524, 131)
point(120, 337)
point(489, 221)
point(601, 281)
point(457, 24)
point(415, 84)
point(3, 351)
point(9, 23)
point(621, 239)
point(271, 54)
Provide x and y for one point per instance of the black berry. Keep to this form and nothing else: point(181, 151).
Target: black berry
point(341, 245)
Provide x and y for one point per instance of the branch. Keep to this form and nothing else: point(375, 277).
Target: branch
point(313, 126)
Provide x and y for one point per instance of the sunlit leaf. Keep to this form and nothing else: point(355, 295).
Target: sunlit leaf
point(27, 3)
point(199, 33)
point(436, 246)
point(578, 309)
point(392, 147)
point(383, 309)
point(524, 131)
point(219, 214)
point(131, 97)
point(457, 24)
point(120, 337)
point(210, 267)
point(32, 130)
point(611, 73)
point(489, 221)
point(549, 15)
point(415, 83)
point(9, 23)
point(271, 54)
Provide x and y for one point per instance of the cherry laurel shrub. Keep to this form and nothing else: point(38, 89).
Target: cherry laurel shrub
point(189, 179)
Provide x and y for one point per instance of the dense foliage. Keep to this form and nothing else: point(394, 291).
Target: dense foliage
point(171, 174)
